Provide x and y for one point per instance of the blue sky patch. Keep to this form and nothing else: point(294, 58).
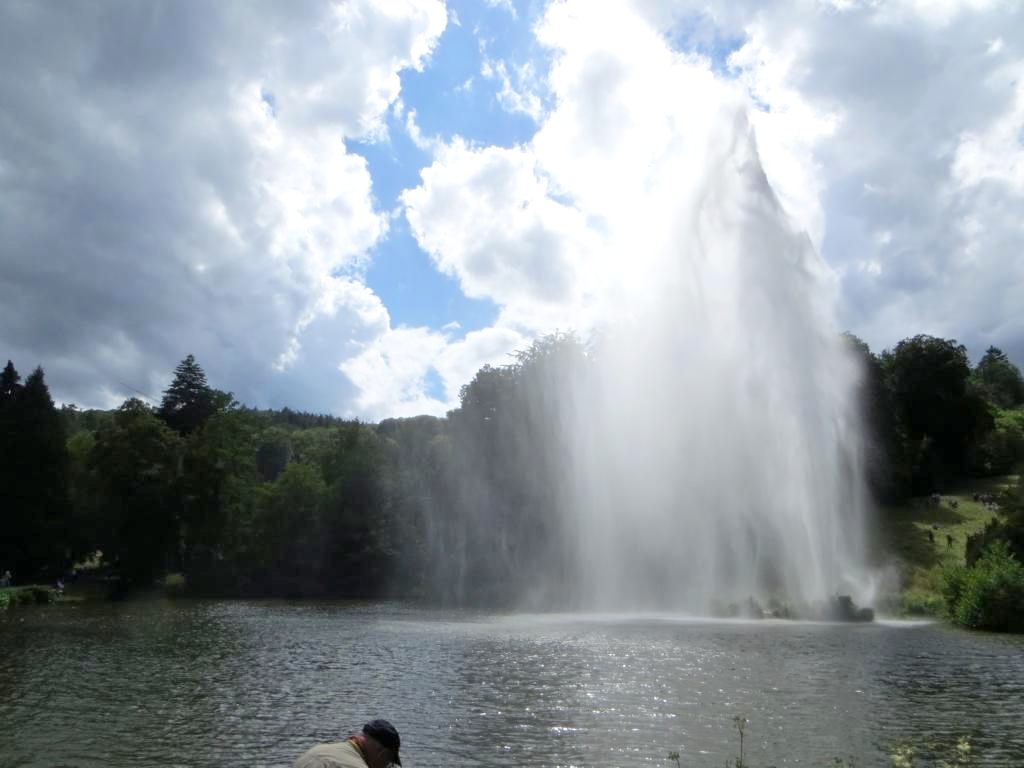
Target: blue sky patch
point(450, 98)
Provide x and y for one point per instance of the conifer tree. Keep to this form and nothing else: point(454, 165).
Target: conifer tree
point(189, 401)
point(9, 382)
point(45, 469)
point(37, 537)
point(9, 538)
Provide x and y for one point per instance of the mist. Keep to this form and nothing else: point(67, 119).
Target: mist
point(701, 447)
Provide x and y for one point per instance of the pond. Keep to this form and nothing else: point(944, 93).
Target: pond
point(214, 683)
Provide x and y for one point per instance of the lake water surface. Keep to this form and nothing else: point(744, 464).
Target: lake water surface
point(256, 683)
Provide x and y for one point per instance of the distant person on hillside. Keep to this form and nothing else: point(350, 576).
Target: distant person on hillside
point(6, 579)
point(376, 746)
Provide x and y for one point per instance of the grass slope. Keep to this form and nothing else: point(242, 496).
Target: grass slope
point(902, 539)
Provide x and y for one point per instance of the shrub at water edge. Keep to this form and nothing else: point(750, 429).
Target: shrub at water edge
point(33, 594)
point(988, 594)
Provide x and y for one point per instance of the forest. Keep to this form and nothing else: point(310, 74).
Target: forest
point(243, 502)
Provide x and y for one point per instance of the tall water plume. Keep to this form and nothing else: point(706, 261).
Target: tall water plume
point(714, 450)
point(707, 449)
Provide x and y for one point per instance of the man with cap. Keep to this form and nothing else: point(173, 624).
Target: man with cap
point(376, 746)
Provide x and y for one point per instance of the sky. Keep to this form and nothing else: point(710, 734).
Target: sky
point(350, 207)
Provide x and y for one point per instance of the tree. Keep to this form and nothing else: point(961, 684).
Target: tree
point(504, 482)
point(44, 472)
point(190, 400)
point(1007, 526)
point(274, 453)
point(36, 531)
point(9, 382)
point(10, 386)
point(887, 467)
point(135, 473)
point(10, 510)
point(941, 413)
point(285, 551)
point(358, 528)
point(83, 522)
point(218, 493)
point(999, 379)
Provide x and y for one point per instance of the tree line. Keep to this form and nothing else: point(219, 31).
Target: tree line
point(932, 419)
point(461, 509)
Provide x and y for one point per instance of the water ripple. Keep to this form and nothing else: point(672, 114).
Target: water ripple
point(209, 683)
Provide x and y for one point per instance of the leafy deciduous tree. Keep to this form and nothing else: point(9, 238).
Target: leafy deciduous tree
point(135, 468)
point(941, 413)
point(1000, 379)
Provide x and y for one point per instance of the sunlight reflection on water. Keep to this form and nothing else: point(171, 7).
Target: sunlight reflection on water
point(209, 683)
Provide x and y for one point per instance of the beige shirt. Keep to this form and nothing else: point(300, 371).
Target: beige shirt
point(341, 754)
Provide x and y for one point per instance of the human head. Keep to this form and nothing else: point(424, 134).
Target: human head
point(381, 744)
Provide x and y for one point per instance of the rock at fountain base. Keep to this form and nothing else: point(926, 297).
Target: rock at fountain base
point(751, 609)
point(842, 608)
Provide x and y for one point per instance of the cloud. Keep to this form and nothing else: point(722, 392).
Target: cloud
point(519, 97)
point(907, 118)
point(415, 134)
point(899, 118)
point(556, 230)
point(995, 152)
point(870, 126)
point(485, 216)
point(390, 374)
point(176, 180)
point(505, 5)
point(789, 128)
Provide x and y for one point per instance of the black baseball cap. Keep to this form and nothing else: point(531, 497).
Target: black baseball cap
point(385, 733)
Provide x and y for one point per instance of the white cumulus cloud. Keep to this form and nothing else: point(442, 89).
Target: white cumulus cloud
point(176, 180)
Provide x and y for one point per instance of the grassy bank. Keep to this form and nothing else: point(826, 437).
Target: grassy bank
point(88, 590)
point(30, 594)
point(919, 537)
point(44, 594)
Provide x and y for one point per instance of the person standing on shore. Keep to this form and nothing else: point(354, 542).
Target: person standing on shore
point(375, 746)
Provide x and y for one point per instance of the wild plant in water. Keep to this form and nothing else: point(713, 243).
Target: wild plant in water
point(741, 723)
point(903, 756)
point(961, 754)
point(958, 756)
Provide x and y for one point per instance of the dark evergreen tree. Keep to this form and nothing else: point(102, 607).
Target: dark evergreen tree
point(9, 382)
point(37, 539)
point(44, 473)
point(10, 506)
point(190, 400)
